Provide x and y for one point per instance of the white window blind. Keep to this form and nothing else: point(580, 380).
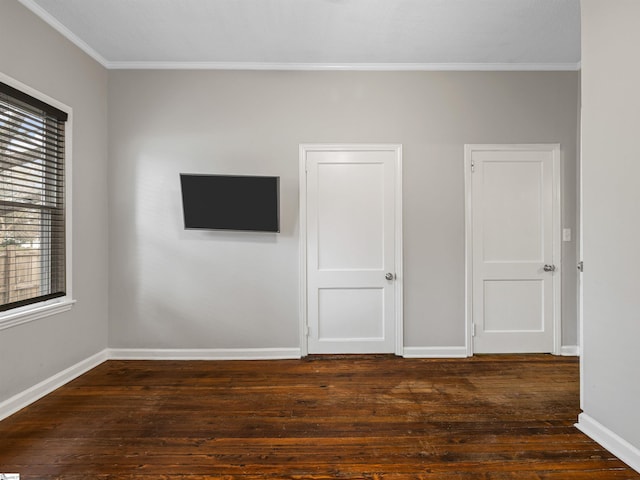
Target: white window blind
point(32, 210)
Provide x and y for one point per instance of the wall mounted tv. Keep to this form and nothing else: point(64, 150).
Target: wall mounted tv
point(231, 202)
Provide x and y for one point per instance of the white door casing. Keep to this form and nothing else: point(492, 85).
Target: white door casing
point(513, 232)
point(351, 238)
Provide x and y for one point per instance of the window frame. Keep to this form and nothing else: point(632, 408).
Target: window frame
point(28, 313)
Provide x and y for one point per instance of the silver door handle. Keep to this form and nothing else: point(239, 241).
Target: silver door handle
point(549, 268)
point(389, 276)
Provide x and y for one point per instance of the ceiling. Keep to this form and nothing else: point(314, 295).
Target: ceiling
point(322, 34)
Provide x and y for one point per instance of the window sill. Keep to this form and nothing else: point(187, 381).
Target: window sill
point(34, 312)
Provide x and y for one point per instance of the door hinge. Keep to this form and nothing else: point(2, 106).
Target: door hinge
point(581, 266)
point(473, 329)
point(307, 330)
point(473, 166)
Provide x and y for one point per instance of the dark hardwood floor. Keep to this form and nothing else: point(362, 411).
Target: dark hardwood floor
point(373, 417)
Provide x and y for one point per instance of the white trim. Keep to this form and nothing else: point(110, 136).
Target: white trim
point(581, 255)
point(468, 253)
point(68, 34)
point(303, 149)
point(435, 352)
point(302, 248)
point(570, 350)
point(30, 395)
point(557, 236)
point(609, 440)
point(399, 262)
point(426, 67)
point(34, 312)
point(557, 247)
point(204, 353)
point(36, 392)
point(29, 313)
point(150, 65)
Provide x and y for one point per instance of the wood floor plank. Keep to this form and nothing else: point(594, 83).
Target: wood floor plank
point(379, 417)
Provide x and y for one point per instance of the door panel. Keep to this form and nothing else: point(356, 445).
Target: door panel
point(350, 210)
point(513, 300)
point(513, 306)
point(350, 313)
point(512, 196)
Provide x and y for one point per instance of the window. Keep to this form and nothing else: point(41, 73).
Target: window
point(32, 200)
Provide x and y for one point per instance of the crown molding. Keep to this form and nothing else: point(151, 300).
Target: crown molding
point(68, 34)
point(291, 66)
point(492, 67)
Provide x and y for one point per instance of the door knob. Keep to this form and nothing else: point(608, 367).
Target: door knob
point(389, 276)
point(549, 268)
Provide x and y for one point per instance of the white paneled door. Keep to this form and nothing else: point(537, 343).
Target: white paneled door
point(351, 195)
point(515, 275)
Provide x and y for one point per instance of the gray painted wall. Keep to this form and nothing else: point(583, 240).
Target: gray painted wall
point(145, 282)
point(172, 288)
point(611, 196)
point(46, 61)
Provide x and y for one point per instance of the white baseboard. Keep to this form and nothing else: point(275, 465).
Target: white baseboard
point(570, 351)
point(461, 352)
point(204, 354)
point(435, 352)
point(609, 440)
point(25, 398)
point(30, 395)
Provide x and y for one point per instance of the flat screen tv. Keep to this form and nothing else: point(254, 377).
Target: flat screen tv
point(231, 202)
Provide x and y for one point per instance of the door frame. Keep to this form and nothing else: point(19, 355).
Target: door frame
point(554, 148)
point(336, 147)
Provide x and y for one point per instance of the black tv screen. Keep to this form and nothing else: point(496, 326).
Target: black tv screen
point(231, 202)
